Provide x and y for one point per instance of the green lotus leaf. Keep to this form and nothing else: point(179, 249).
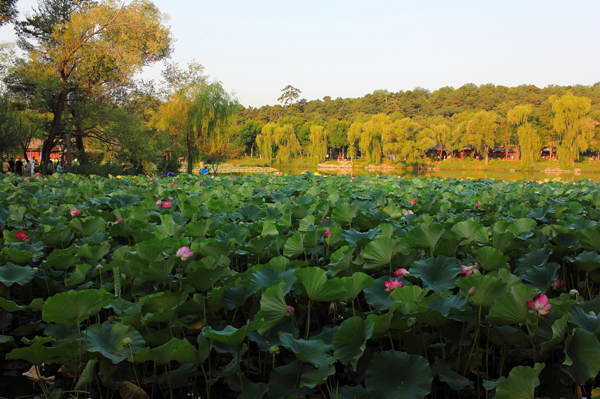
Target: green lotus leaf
point(581, 318)
point(10, 306)
point(94, 252)
point(511, 307)
point(62, 259)
point(408, 298)
point(481, 289)
point(313, 351)
point(116, 342)
point(272, 307)
point(318, 287)
point(87, 375)
point(491, 258)
point(37, 352)
point(588, 261)
point(294, 246)
point(590, 238)
point(558, 330)
point(398, 375)
point(88, 226)
point(229, 335)
point(269, 229)
point(256, 390)
point(78, 276)
point(582, 356)
point(18, 256)
point(376, 295)
point(73, 307)
point(340, 260)
point(344, 212)
point(379, 252)
point(176, 350)
point(521, 383)
point(522, 225)
point(536, 257)
point(355, 284)
point(437, 274)
point(454, 380)
point(350, 340)
point(356, 238)
point(426, 235)
point(469, 231)
point(12, 274)
point(4, 339)
point(312, 376)
point(283, 381)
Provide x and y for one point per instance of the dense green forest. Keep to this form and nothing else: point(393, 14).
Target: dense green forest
point(405, 126)
point(71, 82)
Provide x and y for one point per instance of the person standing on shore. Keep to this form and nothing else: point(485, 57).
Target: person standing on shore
point(11, 164)
point(19, 167)
point(5, 166)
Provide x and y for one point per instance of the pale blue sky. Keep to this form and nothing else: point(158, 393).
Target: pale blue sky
point(350, 48)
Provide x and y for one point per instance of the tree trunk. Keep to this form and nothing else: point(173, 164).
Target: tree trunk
point(81, 155)
point(487, 155)
point(55, 129)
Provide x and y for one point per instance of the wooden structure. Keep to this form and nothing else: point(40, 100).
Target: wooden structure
point(34, 151)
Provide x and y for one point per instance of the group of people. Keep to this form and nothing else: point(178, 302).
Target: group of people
point(28, 168)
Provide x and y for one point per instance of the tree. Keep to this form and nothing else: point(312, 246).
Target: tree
point(265, 141)
point(529, 139)
point(247, 135)
point(288, 146)
point(481, 132)
point(318, 143)
point(570, 124)
point(8, 10)
point(88, 47)
point(289, 95)
point(210, 114)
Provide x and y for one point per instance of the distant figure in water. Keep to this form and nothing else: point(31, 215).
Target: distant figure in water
point(205, 171)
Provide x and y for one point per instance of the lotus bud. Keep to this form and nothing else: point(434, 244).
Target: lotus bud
point(274, 349)
point(126, 341)
point(99, 267)
point(36, 269)
point(574, 293)
point(472, 291)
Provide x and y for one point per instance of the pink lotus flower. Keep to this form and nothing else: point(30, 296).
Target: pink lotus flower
point(468, 270)
point(150, 179)
point(166, 205)
point(539, 306)
point(119, 220)
point(409, 212)
point(21, 236)
point(402, 272)
point(26, 179)
point(75, 212)
point(201, 181)
point(37, 174)
point(413, 202)
point(327, 232)
point(325, 218)
point(290, 311)
point(557, 284)
point(158, 202)
point(391, 285)
point(174, 184)
point(472, 291)
point(478, 204)
point(184, 253)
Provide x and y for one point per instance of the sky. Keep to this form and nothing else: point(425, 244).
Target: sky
point(351, 48)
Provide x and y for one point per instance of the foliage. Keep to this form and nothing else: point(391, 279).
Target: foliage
point(289, 95)
point(285, 290)
point(8, 10)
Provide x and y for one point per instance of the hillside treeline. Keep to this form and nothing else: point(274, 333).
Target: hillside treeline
point(408, 125)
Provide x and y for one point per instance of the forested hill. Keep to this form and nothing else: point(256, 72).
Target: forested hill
point(421, 103)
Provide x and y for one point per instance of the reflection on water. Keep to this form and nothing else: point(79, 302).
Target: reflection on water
point(457, 174)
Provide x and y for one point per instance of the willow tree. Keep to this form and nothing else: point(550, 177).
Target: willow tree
point(355, 131)
point(318, 143)
point(265, 141)
point(481, 132)
point(571, 124)
point(210, 114)
point(529, 139)
point(97, 49)
point(288, 146)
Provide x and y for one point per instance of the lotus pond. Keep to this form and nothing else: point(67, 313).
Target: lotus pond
point(299, 286)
